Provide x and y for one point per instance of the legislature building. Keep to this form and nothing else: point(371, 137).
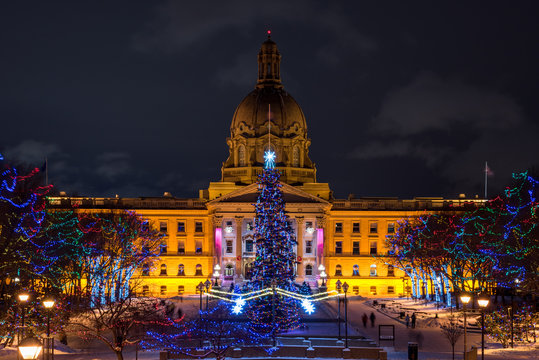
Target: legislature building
point(211, 237)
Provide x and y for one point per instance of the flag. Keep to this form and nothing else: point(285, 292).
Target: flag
point(488, 171)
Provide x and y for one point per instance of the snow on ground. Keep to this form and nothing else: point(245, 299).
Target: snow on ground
point(434, 346)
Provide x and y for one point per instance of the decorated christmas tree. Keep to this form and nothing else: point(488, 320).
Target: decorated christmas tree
point(275, 258)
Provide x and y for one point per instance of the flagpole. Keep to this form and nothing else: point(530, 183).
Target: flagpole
point(486, 179)
point(46, 172)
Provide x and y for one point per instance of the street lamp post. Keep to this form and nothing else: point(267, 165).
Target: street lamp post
point(23, 298)
point(200, 291)
point(207, 284)
point(216, 275)
point(338, 287)
point(465, 298)
point(48, 351)
point(345, 288)
point(483, 303)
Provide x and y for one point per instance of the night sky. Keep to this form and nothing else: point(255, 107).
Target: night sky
point(401, 99)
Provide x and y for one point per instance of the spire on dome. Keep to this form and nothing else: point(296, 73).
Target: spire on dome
point(269, 64)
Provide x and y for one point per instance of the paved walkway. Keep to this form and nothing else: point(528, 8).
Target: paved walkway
point(431, 340)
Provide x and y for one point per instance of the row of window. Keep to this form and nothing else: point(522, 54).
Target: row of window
point(373, 248)
point(373, 227)
point(181, 248)
point(249, 246)
point(163, 226)
point(355, 270)
point(163, 272)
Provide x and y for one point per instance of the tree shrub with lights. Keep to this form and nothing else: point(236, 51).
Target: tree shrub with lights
point(275, 258)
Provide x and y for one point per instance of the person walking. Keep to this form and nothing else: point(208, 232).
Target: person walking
point(407, 319)
point(413, 320)
point(373, 317)
point(365, 318)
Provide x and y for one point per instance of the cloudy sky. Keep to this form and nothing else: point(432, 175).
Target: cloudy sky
point(401, 98)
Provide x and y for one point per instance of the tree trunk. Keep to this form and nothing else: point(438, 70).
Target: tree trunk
point(119, 355)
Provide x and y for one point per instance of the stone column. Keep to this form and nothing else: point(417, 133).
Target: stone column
point(239, 246)
point(299, 247)
point(320, 240)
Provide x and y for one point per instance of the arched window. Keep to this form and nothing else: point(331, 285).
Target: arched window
point(373, 270)
point(241, 155)
point(229, 270)
point(163, 291)
point(181, 270)
point(145, 290)
point(308, 270)
point(198, 270)
point(338, 270)
point(295, 156)
point(163, 269)
point(145, 270)
point(355, 271)
point(390, 270)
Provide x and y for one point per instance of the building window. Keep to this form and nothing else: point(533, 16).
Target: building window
point(145, 270)
point(229, 270)
point(390, 289)
point(163, 227)
point(198, 227)
point(249, 246)
point(355, 290)
point(391, 228)
point(355, 248)
point(163, 269)
point(163, 290)
point(249, 226)
point(181, 226)
point(373, 270)
point(181, 247)
point(338, 270)
point(308, 247)
point(390, 270)
point(373, 290)
point(309, 227)
point(308, 270)
point(355, 227)
point(181, 289)
point(198, 246)
point(198, 270)
point(163, 249)
point(355, 271)
point(338, 228)
point(338, 247)
point(241, 155)
point(295, 156)
point(374, 247)
point(145, 290)
point(373, 228)
point(181, 270)
point(229, 247)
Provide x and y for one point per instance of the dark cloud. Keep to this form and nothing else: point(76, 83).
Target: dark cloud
point(113, 165)
point(453, 127)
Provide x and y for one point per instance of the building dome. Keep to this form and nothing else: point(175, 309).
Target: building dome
point(268, 116)
point(251, 116)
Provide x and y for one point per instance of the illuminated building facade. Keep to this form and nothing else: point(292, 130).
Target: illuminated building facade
point(346, 237)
